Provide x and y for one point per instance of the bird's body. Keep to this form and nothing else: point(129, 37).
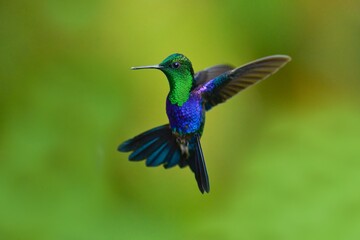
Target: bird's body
point(188, 118)
point(190, 96)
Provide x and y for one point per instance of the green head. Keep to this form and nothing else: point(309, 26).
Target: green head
point(180, 74)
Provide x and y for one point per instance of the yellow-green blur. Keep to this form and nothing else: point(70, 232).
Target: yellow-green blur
point(283, 156)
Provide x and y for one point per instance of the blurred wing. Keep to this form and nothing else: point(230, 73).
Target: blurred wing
point(211, 73)
point(228, 84)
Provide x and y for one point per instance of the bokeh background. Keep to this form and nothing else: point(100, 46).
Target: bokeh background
point(283, 156)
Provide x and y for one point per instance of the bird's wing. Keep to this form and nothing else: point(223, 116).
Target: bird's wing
point(210, 73)
point(228, 84)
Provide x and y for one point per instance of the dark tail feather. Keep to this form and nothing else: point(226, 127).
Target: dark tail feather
point(132, 144)
point(157, 145)
point(173, 156)
point(197, 164)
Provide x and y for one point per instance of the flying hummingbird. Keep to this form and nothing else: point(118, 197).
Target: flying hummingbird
point(190, 97)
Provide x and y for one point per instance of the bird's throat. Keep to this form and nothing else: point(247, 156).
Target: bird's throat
point(180, 89)
point(179, 93)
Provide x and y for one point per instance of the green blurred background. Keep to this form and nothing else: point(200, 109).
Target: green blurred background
point(283, 156)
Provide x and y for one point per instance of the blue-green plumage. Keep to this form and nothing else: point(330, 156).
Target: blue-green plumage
point(190, 96)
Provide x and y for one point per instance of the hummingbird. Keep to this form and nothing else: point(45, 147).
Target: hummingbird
point(191, 95)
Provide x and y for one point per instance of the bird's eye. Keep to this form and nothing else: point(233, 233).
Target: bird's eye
point(175, 65)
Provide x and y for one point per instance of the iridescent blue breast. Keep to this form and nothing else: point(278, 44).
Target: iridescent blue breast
point(188, 118)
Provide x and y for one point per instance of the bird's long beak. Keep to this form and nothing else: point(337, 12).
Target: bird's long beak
point(147, 67)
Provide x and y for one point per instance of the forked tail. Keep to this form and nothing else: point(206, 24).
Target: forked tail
point(159, 146)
